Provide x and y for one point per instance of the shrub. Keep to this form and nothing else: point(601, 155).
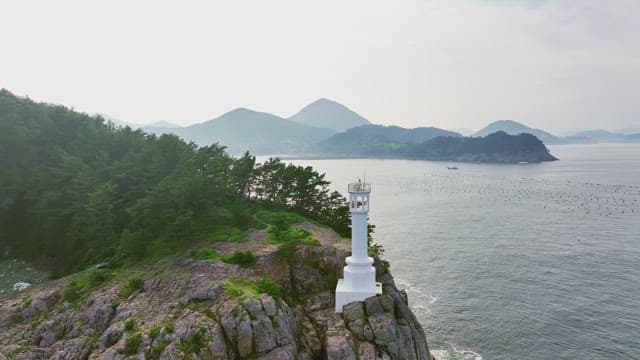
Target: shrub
point(16, 318)
point(234, 289)
point(98, 277)
point(270, 287)
point(154, 332)
point(130, 325)
point(73, 292)
point(243, 259)
point(131, 345)
point(133, 284)
point(157, 349)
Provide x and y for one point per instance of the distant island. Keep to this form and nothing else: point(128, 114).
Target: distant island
point(434, 144)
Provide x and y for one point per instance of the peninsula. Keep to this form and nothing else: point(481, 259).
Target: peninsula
point(164, 250)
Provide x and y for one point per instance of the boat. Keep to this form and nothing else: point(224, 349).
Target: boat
point(452, 167)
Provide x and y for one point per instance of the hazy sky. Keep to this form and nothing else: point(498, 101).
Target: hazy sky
point(558, 65)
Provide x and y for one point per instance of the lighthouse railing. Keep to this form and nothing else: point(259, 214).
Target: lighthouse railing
point(359, 187)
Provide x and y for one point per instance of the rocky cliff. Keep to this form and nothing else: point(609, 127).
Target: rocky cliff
point(282, 308)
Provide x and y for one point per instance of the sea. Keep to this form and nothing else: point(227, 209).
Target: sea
point(524, 261)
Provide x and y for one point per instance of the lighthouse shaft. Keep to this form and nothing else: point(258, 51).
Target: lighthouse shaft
point(359, 236)
point(359, 280)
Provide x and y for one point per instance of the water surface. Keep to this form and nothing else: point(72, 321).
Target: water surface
point(535, 261)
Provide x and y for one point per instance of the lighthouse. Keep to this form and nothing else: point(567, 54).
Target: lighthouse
point(359, 280)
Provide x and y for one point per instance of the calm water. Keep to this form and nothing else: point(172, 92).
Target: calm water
point(15, 271)
point(536, 261)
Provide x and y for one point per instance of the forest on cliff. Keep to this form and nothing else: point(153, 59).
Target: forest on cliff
point(76, 191)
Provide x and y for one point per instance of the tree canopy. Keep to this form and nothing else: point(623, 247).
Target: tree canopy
point(75, 190)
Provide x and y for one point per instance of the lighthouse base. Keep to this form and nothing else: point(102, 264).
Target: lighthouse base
point(346, 294)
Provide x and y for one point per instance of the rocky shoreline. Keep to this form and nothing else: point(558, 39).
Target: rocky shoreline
point(201, 309)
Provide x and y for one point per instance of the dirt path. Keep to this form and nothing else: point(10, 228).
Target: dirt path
point(326, 236)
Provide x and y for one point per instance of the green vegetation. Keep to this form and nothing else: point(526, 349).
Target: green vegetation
point(289, 240)
point(378, 140)
point(194, 344)
point(444, 148)
point(133, 284)
point(130, 325)
point(16, 318)
point(243, 289)
point(434, 144)
point(132, 344)
point(154, 332)
point(157, 349)
point(76, 192)
point(84, 282)
point(291, 235)
point(269, 287)
point(243, 259)
point(168, 326)
point(209, 254)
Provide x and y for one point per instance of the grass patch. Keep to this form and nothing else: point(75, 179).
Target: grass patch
point(16, 318)
point(243, 259)
point(274, 217)
point(208, 254)
point(270, 287)
point(155, 332)
point(229, 234)
point(237, 289)
point(157, 349)
point(244, 289)
point(83, 283)
point(196, 342)
point(132, 344)
point(291, 235)
point(130, 325)
point(133, 284)
point(168, 326)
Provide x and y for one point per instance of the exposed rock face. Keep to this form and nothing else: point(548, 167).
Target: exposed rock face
point(187, 309)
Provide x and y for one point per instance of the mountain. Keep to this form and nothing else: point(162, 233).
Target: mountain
point(514, 128)
point(161, 124)
point(631, 130)
point(260, 133)
point(602, 135)
point(324, 113)
point(376, 140)
point(605, 136)
point(634, 137)
point(463, 131)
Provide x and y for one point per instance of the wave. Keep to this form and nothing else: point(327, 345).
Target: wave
point(455, 354)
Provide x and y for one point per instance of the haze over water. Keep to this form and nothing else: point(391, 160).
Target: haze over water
point(534, 261)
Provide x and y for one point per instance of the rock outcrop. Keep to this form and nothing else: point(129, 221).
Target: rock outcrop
point(212, 310)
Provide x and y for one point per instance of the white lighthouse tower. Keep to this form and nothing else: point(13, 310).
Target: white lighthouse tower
point(359, 280)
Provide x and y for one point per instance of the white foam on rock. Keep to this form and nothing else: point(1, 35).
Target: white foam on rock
point(19, 286)
point(455, 354)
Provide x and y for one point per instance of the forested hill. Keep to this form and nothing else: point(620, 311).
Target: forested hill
point(75, 191)
point(498, 147)
point(434, 144)
point(515, 128)
point(377, 140)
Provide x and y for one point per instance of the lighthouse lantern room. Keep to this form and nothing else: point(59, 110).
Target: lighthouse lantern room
point(359, 280)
